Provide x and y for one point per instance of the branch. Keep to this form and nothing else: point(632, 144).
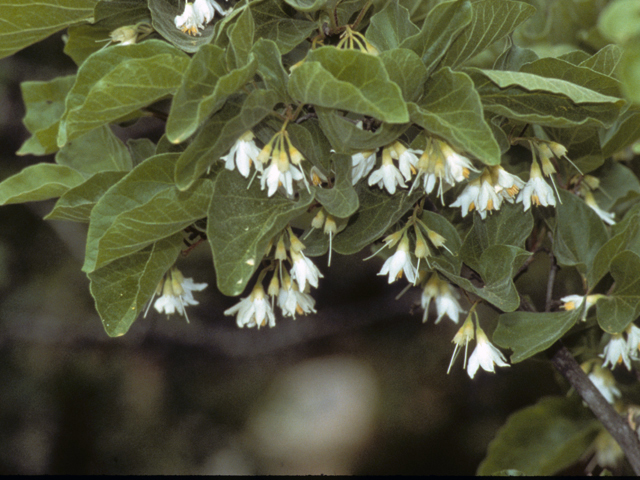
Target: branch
point(619, 429)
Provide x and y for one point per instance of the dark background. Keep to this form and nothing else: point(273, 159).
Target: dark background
point(361, 387)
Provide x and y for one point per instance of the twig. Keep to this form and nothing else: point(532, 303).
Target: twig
point(619, 429)
point(553, 268)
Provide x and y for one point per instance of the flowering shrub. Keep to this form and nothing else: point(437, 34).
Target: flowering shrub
point(350, 113)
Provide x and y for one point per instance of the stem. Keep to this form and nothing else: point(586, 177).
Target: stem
point(361, 14)
point(619, 429)
point(550, 281)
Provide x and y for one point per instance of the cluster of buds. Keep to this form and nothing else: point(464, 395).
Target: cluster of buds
point(197, 15)
point(130, 34)
point(175, 294)
point(329, 226)
point(284, 168)
point(485, 354)
point(352, 40)
point(290, 288)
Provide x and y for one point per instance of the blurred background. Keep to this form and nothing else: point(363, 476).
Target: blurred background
point(359, 388)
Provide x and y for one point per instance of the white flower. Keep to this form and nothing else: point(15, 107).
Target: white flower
point(400, 262)
point(407, 159)
point(304, 270)
point(485, 355)
point(633, 341)
point(176, 293)
point(361, 164)
point(571, 302)
point(536, 191)
point(442, 163)
point(243, 153)
point(505, 184)
point(616, 352)
point(457, 166)
point(446, 299)
point(254, 310)
point(467, 199)
point(273, 177)
point(292, 301)
point(606, 217)
point(388, 175)
point(196, 15)
point(463, 336)
point(604, 381)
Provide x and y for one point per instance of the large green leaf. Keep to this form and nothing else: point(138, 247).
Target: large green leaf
point(122, 288)
point(76, 204)
point(117, 81)
point(441, 27)
point(579, 233)
point(241, 223)
point(624, 132)
point(219, 134)
point(341, 200)
point(407, 70)
point(451, 109)
point(377, 213)
point(543, 439)
point(348, 80)
point(84, 40)
point(528, 333)
point(38, 182)
point(543, 101)
point(44, 102)
point(23, 23)
point(270, 67)
point(116, 13)
point(604, 61)
point(629, 71)
point(206, 85)
point(346, 137)
point(617, 311)
point(389, 27)
point(309, 138)
point(241, 35)
point(96, 151)
point(491, 21)
point(307, 6)
point(274, 23)
point(144, 182)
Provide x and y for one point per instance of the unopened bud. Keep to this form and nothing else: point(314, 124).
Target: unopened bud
point(318, 220)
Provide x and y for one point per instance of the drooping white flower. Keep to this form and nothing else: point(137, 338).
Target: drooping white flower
point(462, 337)
point(604, 381)
point(536, 190)
point(606, 217)
point(387, 176)
point(304, 270)
point(458, 166)
point(505, 184)
point(242, 154)
point(633, 341)
point(440, 162)
point(196, 15)
point(273, 177)
point(467, 199)
point(292, 301)
point(407, 159)
point(446, 299)
point(485, 355)
point(400, 262)
point(571, 302)
point(254, 310)
point(361, 164)
point(176, 293)
point(616, 352)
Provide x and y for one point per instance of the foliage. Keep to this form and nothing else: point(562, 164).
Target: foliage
point(311, 96)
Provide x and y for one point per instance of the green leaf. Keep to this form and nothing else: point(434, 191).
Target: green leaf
point(341, 200)
point(122, 288)
point(116, 13)
point(205, 87)
point(84, 40)
point(579, 233)
point(273, 23)
point(378, 211)
point(144, 182)
point(23, 23)
point(624, 132)
point(240, 40)
point(76, 204)
point(241, 223)
point(543, 439)
point(616, 183)
point(307, 6)
point(389, 27)
point(451, 109)
point(407, 70)
point(309, 138)
point(629, 71)
point(618, 22)
point(117, 81)
point(497, 265)
point(528, 333)
point(583, 145)
point(348, 80)
point(163, 14)
point(38, 182)
point(615, 312)
point(44, 102)
point(444, 260)
point(513, 57)
point(346, 137)
point(441, 27)
point(141, 149)
point(219, 134)
point(543, 101)
point(491, 21)
point(270, 68)
point(582, 76)
point(96, 151)
point(604, 61)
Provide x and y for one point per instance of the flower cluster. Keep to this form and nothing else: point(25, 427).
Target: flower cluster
point(289, 287)
point(175, 294)
point(197, 15)
point(485, 354)
point(622, 350)
point(446, 299)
